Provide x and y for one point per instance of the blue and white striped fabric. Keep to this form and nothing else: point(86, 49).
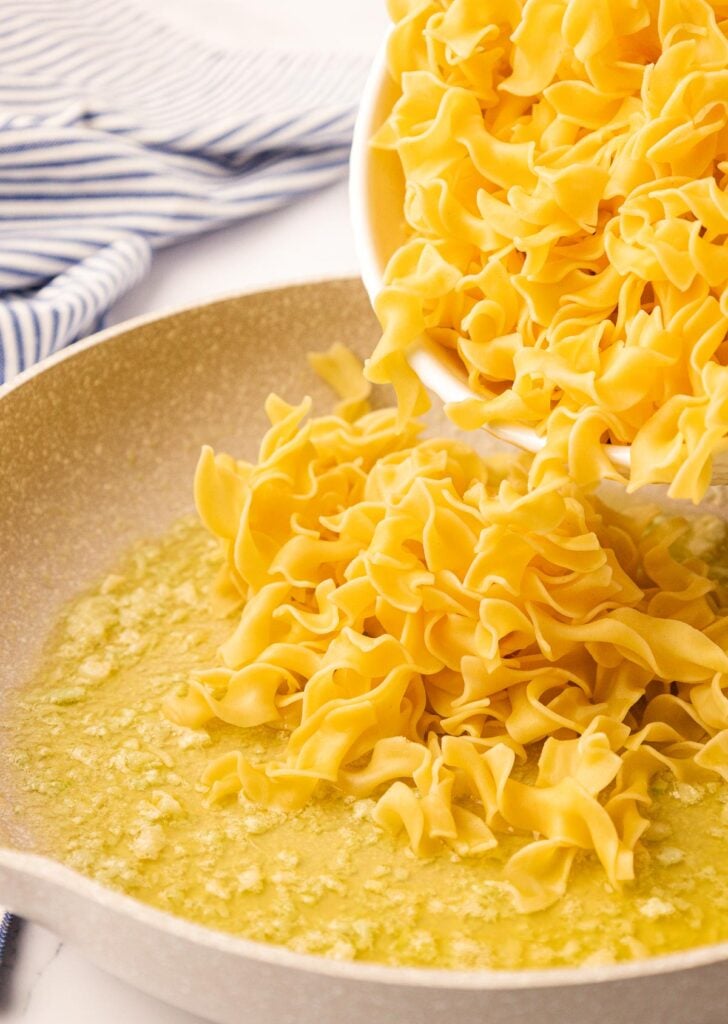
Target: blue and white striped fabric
point(119, 135)
point(8, 924)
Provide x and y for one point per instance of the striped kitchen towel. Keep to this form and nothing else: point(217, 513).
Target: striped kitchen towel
point(8, 926)
point(119, 135)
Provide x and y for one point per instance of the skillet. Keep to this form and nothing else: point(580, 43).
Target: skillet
point(97, 449)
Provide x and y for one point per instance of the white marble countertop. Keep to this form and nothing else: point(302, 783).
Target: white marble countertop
point(47, 982)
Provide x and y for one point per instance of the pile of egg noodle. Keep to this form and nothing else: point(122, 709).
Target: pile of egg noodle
point(482, 648)
point(479, 657)
point(566, 165)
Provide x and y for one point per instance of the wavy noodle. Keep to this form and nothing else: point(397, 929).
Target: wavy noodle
point(480, 658)
point(565, 167)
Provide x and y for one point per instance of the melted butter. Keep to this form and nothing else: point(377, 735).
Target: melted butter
point(112, 790)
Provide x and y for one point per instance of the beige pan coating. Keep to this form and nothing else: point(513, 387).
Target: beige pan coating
point(97, 450)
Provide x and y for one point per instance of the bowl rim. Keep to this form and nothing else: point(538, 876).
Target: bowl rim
point(364, 126)
point(47, 872)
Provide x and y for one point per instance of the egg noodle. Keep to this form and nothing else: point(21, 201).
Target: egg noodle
point(565, 165)
point(480, 657)
point(486, 648)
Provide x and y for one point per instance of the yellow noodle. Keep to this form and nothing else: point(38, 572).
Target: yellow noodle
point(479, 656)
point(565, 168)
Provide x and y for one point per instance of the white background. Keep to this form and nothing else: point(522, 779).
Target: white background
point(50, 983)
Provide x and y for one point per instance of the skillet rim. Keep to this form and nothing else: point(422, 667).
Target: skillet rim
point(51, 872)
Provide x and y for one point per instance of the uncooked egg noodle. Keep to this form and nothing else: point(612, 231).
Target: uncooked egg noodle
point(566, 209)
point(479, 657)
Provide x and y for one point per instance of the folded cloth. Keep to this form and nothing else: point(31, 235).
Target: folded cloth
point(7, 926)
point(119, 135)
